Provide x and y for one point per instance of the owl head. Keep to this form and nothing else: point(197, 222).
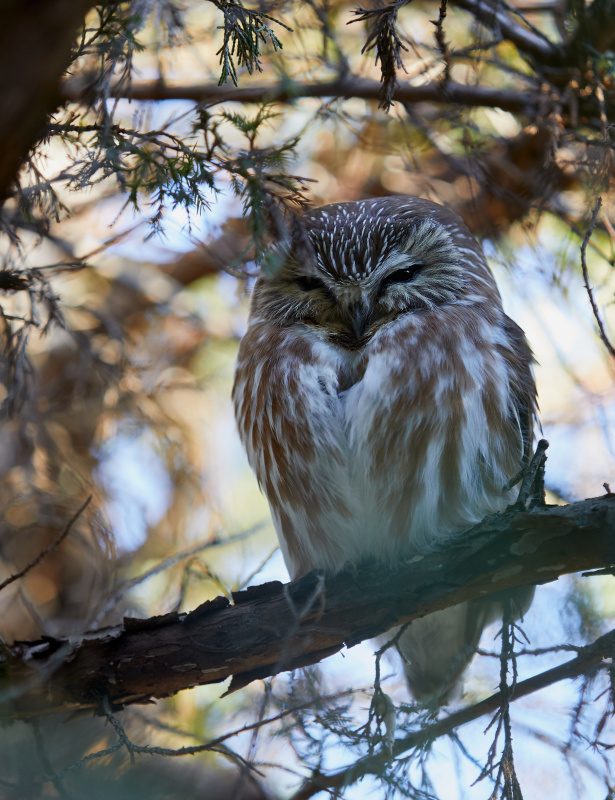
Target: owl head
point(352, 267)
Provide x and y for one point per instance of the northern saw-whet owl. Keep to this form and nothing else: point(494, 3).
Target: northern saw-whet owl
point(385, 401)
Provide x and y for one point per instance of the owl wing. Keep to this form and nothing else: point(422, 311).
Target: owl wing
point(523, 386)
point(437, 648)
point(290, 420)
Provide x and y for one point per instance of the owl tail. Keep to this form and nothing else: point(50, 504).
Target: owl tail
point(437, 648)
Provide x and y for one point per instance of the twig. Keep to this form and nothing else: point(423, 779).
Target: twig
point(590, 655)
point(382, 708)
point(441, 40)
point(506, 776)
point(48, 549)
point(138, 749)
point(384, 38)
point(244, 770)
point(590, 230)
point(215, 744)
point(119, 729)
point(45, 762)
point(536, 651)
point(167, 563)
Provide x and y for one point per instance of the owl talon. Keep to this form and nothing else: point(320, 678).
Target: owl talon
point(532, 481)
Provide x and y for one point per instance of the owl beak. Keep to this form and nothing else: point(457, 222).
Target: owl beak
point(359, 320)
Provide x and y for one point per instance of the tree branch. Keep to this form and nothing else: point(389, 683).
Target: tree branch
point(528, 41)
point(589, 656)
point(601, 330)
point(49, 549)
point(436, 92)
point(276, 627)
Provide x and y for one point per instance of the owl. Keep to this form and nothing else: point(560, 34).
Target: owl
point(385, 400)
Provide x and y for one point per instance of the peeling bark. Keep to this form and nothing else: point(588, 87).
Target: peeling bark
point(277, 627)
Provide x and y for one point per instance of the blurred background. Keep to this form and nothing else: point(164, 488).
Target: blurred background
point(129, 248)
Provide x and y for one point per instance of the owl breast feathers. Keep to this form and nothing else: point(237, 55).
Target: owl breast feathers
point(385, 400)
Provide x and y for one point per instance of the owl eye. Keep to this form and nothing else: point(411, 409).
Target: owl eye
point(402, 275)
point(310, 284)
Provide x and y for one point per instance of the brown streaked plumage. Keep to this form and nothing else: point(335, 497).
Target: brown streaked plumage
point(385, 400)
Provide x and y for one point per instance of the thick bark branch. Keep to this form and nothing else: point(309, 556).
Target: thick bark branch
point(437, 92)
point(36, 40)
point(277, 627)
